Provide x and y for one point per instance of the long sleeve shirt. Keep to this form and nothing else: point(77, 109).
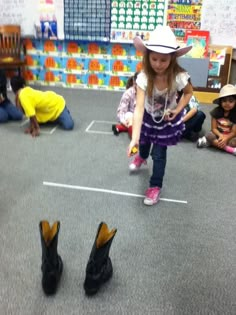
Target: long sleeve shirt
point(127, 103)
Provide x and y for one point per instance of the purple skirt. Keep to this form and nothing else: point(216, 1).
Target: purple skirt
point(165, 133)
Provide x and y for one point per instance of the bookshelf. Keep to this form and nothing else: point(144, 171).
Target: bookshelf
point(208, 94)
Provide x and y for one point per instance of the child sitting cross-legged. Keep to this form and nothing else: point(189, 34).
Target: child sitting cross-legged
point(223, 122)
point(126, 108)
point(8, 111)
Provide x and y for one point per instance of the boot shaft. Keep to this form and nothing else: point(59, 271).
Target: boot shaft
point(102, 244)
point(52, 265)
point(49, 241)
point(99, 267)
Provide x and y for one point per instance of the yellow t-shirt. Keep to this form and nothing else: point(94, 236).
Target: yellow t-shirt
point(46, 106)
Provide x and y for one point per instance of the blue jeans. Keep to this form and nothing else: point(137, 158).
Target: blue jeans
point(8, 111)
point(65, 120)
point(194, 124)
point(158, 154)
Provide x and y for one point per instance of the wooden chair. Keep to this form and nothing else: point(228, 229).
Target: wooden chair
point(11, 48)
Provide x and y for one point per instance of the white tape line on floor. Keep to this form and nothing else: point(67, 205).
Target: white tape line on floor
point(114, 192)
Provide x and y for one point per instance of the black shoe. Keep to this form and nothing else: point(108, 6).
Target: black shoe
point(99, 267)
point(115, 130)
point(52, 265)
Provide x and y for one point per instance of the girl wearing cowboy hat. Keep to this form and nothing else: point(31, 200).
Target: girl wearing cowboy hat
point(158, 118)
point(223, 122)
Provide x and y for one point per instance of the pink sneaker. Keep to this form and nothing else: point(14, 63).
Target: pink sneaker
point(136, 163)
point(152, 196)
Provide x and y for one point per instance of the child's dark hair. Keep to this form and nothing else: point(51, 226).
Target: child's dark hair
point(17, 83)
point(218, 112)
point(131, 80)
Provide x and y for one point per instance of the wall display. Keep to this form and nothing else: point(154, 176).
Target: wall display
point(46, 25)
point(199, 39)
point(218, 17)
point(135, 17)
point(20, 12)
point(87, 20)
point(79, 64)
point(41, 18)
point(183, 15)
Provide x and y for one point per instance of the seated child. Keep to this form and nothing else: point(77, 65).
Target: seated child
point(126, 108)
point(193, 119)
point(223, 122)
point(8, 111)
point(40, 106)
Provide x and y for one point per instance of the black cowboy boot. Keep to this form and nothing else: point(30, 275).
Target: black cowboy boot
point(99, 268)
point(52, 264)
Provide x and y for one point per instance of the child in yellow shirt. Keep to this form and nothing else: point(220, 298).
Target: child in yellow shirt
point(40, 106)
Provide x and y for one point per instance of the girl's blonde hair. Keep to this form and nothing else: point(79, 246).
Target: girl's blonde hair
point(172, 71)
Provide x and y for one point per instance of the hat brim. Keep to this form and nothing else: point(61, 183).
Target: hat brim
point(217, 100)
point(142, 46)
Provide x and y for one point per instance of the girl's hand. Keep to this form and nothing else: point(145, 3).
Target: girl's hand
point(131, 146)
point(129, 122)
point(222, 141)
point(172, 113)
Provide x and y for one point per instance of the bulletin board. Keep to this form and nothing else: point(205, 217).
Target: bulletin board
point(218, 17)
point(29, 13)
point(87, 20)
point(132, 18)
point(20, 12)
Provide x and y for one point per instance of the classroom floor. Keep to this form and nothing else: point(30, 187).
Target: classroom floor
point(177, 257)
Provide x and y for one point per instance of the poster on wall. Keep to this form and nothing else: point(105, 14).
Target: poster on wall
point(49, 24)
point(136, 18)
point(20, 12)
point(87, 20)
point(184, 15)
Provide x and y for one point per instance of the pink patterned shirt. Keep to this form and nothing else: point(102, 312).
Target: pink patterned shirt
point(127, 103)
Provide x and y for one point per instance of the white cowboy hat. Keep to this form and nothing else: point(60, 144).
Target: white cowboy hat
point(226, 90)
point(162, 40)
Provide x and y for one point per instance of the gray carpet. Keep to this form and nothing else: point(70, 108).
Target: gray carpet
point(172, 258)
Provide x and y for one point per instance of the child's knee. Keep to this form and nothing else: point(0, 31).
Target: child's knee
point(210, 136)
point(69, 125)
point(232, 143)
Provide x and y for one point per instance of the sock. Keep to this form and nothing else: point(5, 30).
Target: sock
point(121, 128)
point(130, 132)
point(230, 150)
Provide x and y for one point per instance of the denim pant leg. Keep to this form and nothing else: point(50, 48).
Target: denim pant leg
point(8, 111)
point(194, 124)
point(158, 154)
point(65, 120)
point(199, 121)
point(144, 150)
point(3, 115)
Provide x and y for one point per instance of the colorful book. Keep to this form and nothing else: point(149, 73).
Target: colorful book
point(214, 68)
point(199, 39)
point(217, 54)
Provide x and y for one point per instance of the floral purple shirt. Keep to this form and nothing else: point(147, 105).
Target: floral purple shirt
point(127, 103)
point(162, 100)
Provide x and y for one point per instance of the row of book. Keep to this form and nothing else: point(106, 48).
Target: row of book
point(199, 39)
